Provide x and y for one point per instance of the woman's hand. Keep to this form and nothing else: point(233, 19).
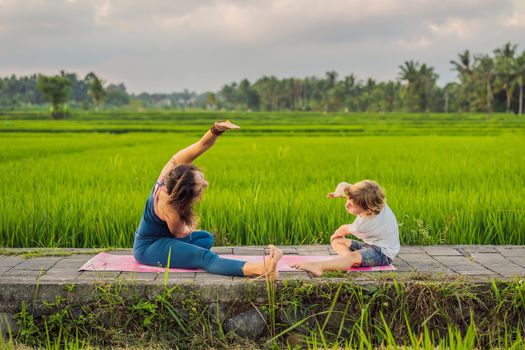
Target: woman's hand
point(225, 125)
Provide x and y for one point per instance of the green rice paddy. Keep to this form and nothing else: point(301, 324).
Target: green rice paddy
point(83, 182)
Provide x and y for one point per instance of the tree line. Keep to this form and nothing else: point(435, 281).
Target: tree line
point(485, 83)
point(67, 90)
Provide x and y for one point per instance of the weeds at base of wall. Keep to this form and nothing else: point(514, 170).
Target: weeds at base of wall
point(418, 314)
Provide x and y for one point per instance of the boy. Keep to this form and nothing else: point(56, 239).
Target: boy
point(375, 224)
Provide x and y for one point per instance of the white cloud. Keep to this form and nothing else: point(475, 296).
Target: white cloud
point(103, 10)
point(452, 27)
point(420, 42)
point(517, 17)
point(159, 45)
point(252, 21)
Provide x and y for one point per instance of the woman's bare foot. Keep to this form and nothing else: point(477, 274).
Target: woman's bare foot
point(270, 264)
point(266, 269)
point(313, 268)
point(226, 125)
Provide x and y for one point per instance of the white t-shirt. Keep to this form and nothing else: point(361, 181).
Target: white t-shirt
point(380, 230)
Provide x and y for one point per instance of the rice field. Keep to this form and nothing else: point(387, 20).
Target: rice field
point(79, 188)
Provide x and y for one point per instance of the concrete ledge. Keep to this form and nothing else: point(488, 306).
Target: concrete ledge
point(39, 279)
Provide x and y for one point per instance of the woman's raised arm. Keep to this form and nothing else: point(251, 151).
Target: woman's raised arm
point(190, 153)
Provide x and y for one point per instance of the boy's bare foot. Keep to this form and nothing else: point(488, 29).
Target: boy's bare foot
point(312, 268)
point(270, 264)
point(226, 125)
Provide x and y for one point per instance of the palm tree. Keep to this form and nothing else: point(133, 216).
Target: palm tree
point(248, 96)
point(211, 100)
point(267, 89)
point(350, 91)
point(57, 88)
point(463, 66)
point(427, 81)
point(506, 70)
point(389, 90)
point(95, 89)
point(484, 72)
point(410, 74)
point(520, 65)
point(331, 79)
point(451, 92)
point(464, 69)
point(421, 82)
point(228, 95)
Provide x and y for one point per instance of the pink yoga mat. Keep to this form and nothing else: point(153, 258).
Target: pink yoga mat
point(109, 262)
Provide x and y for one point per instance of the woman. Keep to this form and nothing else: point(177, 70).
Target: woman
point(167, 227)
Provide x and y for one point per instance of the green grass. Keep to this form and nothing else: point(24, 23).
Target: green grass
point(449, 178)
point(268, 122)
point(87, 189)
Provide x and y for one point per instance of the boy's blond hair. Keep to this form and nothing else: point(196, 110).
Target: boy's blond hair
point(368, 195)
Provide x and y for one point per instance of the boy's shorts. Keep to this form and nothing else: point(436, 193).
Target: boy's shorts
point(371, 254)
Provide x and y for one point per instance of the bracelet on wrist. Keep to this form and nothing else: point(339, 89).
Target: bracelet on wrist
point(216, 131)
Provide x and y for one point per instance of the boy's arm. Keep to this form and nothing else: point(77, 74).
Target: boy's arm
point(340, 232)
point(340, 190)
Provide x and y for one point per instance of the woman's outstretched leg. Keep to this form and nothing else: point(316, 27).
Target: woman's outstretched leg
point(188, 256)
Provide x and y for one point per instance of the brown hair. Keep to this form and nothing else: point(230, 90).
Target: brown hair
point(180, 184)
point(368, 195)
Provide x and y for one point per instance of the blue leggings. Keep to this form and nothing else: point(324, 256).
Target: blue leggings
point(190, 252)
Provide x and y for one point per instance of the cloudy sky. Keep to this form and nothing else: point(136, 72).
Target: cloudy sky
point(165, 46)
